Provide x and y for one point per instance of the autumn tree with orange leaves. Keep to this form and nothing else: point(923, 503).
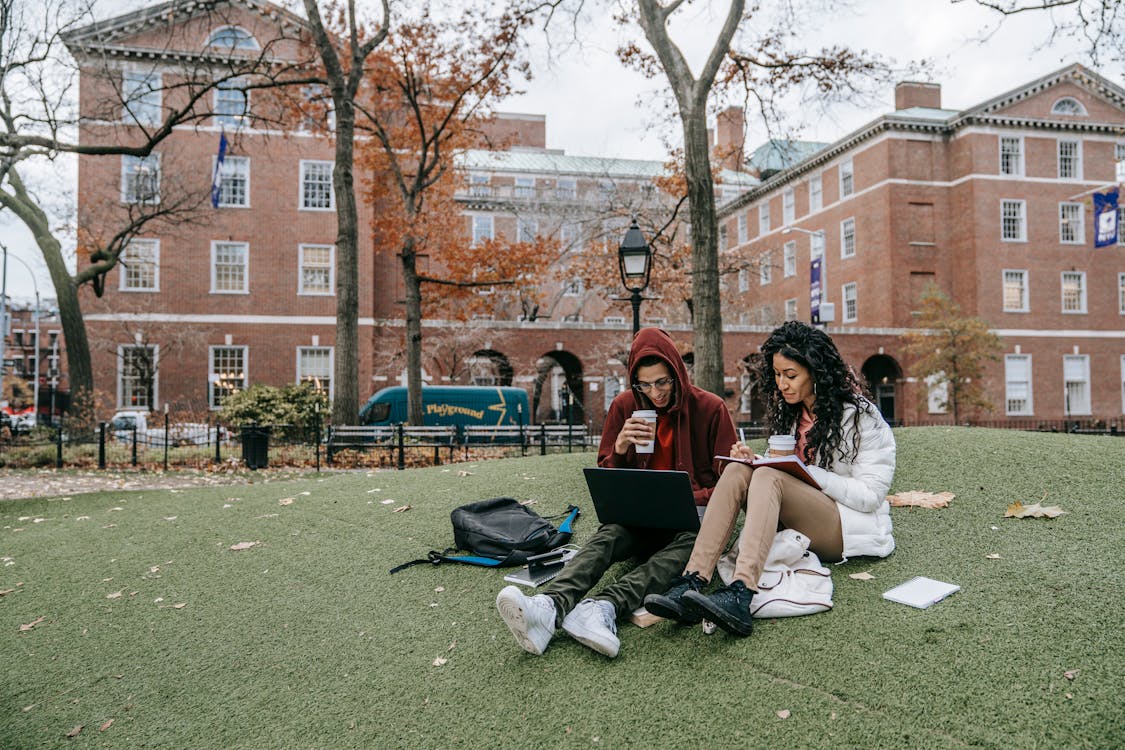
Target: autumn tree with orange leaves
point(428, 89)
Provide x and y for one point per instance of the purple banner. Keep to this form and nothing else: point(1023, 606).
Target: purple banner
point(814, 290)
point(1105, 218)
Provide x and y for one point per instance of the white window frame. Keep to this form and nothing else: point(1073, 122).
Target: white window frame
point(1121, 294)
point(937, 393)
point(614, 320)
point(1029, 405)
point(231, 104)
point(743, 228)
point(574, 287)
point(215, 248)
point(764, 218)
point(1075, 159)
point(301, 377)
point(1076, 381)
point(303, 266)
point(1072, 224)
point(1024, 305)
point(523, 187)
point(566, 188)
point(480, 185)
point(791, 308)
point(847, 238)
point(743, 280)
point(526, 229)
point(765, 268)
point(245, 40)
point(790, 259)
point(849, 293)
point(215, 378)
point(816, 192)
point(131, 169)
point(303, 190)
point(847, 178)
point(723, 242)
point(130, 254)
point(816, 246)
point(788, 206)
point(122, 403)
point(1068, 106)
point(1119, 165)
point(1016, 169)
point(142, 96)
point(1021, 226)
point(234, 168)
point(484, 228)
point(1080, 276)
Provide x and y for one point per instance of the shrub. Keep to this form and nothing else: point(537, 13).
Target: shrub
point(291, 409)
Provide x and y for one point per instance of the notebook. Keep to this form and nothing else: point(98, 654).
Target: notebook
point(920, 592)
point(644, 498)
point(542, 568)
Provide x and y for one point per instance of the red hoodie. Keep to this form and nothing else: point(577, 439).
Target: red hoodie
point(701, 427)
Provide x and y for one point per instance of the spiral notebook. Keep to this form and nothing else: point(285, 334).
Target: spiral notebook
point(542, 568)
point(920, 592)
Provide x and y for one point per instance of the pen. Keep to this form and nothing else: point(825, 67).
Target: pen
point(741, 435)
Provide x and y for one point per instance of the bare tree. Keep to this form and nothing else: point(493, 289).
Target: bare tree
point(1099, 25)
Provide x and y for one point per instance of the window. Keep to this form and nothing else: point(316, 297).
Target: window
point(791, 309)
point(847, 238)
point(816, 193)
point(816, 246)
point(745, 393)
point(1074, 291)
point(1068, 106)
point(743, 230)
point(232, 38)
point(566, 188)
point(1071, 224)
point(314, 365)
point(141, 96)
point(525, 187)
point(765, 269)
point(479, 185)
point(764, 218)
point(574, 288)
point(232, 104)
point(790, 256)
point(613, 385)
point(482, 229)
point(743, 280)
point(569, 235)
point(788, 206)
point(937, 393)
point(614, 320)
point(1017, 385)
point(1015, 291)
point(140, 179)
point(317, 269)
point(229, 262)
point(1013, 226)
point(234, 189)
point(226, 373)
point(1121, 293)
point(526, 229)
point(847, 179)
point(1121, 224)
point(607, 190)
point(1011, 156)
point(316, 186)
point(140, 266)
point(136, 377)
point(851, 303)
point(1076, 376)
point(1119, 163)
point(722, 238)
point(1070, 160)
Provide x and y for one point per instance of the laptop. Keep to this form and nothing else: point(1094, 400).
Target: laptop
point(645, 498)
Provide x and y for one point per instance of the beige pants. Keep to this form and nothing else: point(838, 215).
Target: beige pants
point(773, 500)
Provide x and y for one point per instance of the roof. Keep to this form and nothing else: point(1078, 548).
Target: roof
point(776, 154)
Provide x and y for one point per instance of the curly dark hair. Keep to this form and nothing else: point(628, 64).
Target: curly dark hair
point(835, 383)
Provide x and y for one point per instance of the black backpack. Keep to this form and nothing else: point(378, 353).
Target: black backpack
point(500, 533)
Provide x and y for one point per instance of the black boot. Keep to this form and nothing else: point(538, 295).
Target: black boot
point(728, 607)
point(671, 603)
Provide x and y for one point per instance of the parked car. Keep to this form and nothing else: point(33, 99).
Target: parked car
point(179, 433)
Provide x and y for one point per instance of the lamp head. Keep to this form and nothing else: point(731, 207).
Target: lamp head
point(635, 259)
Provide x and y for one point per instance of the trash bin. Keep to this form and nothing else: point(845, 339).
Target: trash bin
point(255, 446)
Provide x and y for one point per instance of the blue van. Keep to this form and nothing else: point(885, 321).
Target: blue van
point(450, 405)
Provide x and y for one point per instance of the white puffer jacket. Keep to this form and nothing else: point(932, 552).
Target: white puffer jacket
point(860, 486)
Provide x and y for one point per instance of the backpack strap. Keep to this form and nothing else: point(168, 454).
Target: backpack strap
point(436, 558)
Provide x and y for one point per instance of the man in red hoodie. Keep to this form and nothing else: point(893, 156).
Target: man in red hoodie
point(692, 427)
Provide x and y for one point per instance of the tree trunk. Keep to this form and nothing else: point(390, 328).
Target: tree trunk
point(345, 375)
point(413, 334)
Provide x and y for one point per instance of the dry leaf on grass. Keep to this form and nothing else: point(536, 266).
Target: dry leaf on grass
point(1019, 510)
point(921, 499)
point(33, 623)
point(438, 662)
point(243, 545)
point(864, 576)
point(285, 501)
point(106, 725)
point(1070, 674)
point(464, 473)
point(993, 556)
point(783, 713)
point(114, 595)
point(74, 732)
point(401, 508)
point(5, 592)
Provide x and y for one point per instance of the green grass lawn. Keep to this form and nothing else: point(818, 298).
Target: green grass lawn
point(305, 641)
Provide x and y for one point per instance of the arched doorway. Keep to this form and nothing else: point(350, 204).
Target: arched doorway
point(489, 367)
point(882, 374)
point(558, 395)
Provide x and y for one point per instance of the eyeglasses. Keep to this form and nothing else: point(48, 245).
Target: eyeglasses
point(662, 384)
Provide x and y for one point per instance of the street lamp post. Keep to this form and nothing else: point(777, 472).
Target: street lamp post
point(821, 312)
point(635, 260)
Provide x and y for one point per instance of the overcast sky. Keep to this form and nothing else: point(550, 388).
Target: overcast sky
point(596, 108)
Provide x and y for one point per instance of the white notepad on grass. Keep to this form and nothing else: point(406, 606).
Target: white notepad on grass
point(920, 592)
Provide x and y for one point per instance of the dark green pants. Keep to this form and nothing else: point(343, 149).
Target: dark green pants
point(662, 555)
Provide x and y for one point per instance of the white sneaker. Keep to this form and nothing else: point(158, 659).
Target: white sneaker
point(593, 623)
point(530, 618)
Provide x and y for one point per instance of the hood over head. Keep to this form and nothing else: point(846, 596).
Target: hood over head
point(656, 342)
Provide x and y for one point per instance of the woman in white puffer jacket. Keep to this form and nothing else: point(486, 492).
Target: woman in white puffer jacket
point(849, 449)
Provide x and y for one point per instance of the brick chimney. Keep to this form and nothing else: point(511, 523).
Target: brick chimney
point(917, 94)
point(730, 127)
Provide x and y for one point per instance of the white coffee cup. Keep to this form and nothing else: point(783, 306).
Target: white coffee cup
point(649, 415)
point(782, 445)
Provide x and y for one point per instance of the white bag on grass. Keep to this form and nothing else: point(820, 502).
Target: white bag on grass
point(793, 582)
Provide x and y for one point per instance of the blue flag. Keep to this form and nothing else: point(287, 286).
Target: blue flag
point(814, 290)
point(1105, 218)
point(217, 176)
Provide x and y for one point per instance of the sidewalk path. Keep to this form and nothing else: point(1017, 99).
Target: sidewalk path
point(16, 483)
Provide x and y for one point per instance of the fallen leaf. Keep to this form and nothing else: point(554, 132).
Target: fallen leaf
point(529, 502)
point(401, 508)
point(1069, 696)
point(33, 623)
point(114, 595)
point(1070, 674)
point(305, 493)
point(864, 576)
point(243, 545)
point(170, 518)
point(993, 556)
point(438, 662)
point(1019, 510)
point(783, 713)
point(385, 502)
point(439, 589)
point(5, 592)
point(286, 501)
point(464, 473)
point(921, 499)
point(82, 518)
point(74, 732)
point(181, 605)
point(117, 508)
point(452, 646)
point(106, 725)
point(154, 569)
